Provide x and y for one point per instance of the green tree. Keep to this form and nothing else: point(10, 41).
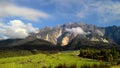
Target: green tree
point(115, 54)
point(110, 58)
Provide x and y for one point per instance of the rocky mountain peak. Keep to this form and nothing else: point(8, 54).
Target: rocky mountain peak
point(63, 34)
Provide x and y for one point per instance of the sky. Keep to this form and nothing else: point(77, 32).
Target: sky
point(19, 17)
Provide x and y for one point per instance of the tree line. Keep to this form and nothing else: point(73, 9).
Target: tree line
point(109, 55)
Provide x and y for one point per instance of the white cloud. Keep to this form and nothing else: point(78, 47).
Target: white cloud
point(109, 12)
point(77, 30)
point(16, 29)
point(83, 13)
point(7, 10)
point(106, 11)
point(100, 10)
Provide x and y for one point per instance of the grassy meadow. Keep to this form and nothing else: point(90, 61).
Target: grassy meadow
point(46, 60)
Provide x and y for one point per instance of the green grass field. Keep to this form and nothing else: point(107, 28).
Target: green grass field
point(47, 60)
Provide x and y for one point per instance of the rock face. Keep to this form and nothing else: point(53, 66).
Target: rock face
point(113, 33)
point(65, 38)
point(62, 35)
point(50, 34)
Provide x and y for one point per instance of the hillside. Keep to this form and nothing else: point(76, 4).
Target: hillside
point(47, 60)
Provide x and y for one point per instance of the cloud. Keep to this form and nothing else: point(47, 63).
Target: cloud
point(16, 29)
point(98, 10)
point(83, 13)
point(106, 11)
point(109, 12)
point(9, 9)
point(102, 11)
point(77, 30)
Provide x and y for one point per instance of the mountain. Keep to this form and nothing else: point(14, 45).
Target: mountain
point(49, 34)
point(68, 36)
point(84, 43)
point(63, 34)
point(113, 33)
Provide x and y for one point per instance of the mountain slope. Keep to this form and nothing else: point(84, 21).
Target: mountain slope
point(84, 43)
point(113, 33)
point(62, 35)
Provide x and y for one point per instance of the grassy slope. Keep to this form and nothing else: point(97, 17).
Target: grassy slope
point(115, 66)
point(36, 61)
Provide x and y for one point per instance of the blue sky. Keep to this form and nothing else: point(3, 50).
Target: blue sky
point(20, 17)
point(53, 12)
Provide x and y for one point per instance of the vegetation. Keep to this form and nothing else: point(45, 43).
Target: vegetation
point(29, 48)
point(68, 59)
point(19, 52)
point(56, 59)
point(29, 55)
point(108, 55)
point(85, 66)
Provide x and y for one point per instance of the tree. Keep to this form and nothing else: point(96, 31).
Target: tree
point(115, 54)
point(110, 58)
